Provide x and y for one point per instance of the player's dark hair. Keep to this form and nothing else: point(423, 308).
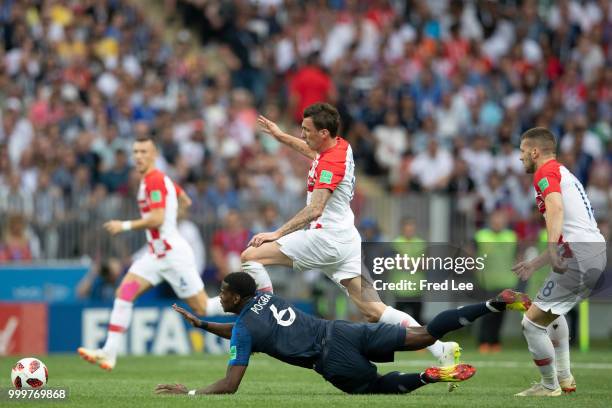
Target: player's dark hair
point(324, 116)
point(241, 283)
point(144, 138)
point(542, 137)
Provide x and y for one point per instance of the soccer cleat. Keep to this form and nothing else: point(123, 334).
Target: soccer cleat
point(455, 373)
point(539, 390)
point(450, 357)
point(98, 357)
point(568, 385)
point(513, 300)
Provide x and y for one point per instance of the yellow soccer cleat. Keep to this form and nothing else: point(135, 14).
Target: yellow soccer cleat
point(98, 357)
point(568, 385)
point(539, 390)
point(450, 357)
point(513, 300)
point(455, 373)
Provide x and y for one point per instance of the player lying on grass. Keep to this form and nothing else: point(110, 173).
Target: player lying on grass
point(342, 352)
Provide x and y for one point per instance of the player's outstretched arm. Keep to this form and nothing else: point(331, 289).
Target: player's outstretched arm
point(220, 329)
point(154, 220)
point(307, 214)
point(227, 385)
point(296, 144)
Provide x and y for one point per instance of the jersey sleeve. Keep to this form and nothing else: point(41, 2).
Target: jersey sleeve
point(329, 175)
point(155, 190)
point(240, 345)
point(178, 189)
point(548, 181)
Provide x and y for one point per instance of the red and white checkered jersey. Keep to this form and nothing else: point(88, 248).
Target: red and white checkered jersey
point(334, 169)
point(156, 190)
point(579, 223)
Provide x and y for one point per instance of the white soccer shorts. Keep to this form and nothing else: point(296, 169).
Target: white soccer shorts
point(336, 253)
point(177, 267)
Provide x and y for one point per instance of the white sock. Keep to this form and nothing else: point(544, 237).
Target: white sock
point(542, 350)
point(259, 273)
point(119, 322)
point(394, 316)
point(214, 308)
point(558, 332)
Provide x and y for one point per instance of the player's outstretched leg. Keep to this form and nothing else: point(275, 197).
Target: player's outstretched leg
point(455, 319)
point(131, 287)
point(400, 383)
point(374, 310)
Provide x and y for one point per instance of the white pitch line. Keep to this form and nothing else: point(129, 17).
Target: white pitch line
point(505, 364)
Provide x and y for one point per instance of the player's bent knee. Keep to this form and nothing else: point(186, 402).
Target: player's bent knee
point(248, 255)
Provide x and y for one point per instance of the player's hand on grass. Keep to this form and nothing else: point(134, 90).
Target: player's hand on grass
point(190, 317)
point(268, 126)
point(171, 389)
point(523, 270)
point(262, 237)
point(113, 227)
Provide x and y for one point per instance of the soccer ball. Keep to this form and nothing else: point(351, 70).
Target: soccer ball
point(29, 373)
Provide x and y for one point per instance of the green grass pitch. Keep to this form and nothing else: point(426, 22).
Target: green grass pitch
point(269, 383)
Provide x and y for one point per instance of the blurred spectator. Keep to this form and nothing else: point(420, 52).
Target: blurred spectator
point(582, 139)
point(222, 196)
point(14, 198)
point(392, 141)
point(49, 210)
point(408, 242)
point(308, 85)
point(115, 179)
point(599, 191)
point(228, 243)
point(498, 245)
point(268, 219)
point(432, 168)
point(101, 281)
point(18, 243)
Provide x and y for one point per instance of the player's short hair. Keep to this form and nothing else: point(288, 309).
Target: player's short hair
point(144, 138)
point(241, 283)
point(324, 116)
point(543, 137)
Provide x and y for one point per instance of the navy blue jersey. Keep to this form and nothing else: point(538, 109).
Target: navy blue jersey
point(269, 324)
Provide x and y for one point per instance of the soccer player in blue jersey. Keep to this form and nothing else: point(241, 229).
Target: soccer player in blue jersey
point(342, 352)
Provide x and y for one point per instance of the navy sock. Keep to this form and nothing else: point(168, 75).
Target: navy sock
point(454, 319)
point(396, 383)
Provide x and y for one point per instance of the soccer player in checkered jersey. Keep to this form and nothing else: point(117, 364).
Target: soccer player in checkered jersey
point(577, 253)
point(169, 257)
point(323, 235)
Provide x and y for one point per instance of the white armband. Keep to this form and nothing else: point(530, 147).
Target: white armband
point(126, 225)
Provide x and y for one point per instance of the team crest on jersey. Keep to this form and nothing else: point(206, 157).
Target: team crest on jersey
point(543, 184)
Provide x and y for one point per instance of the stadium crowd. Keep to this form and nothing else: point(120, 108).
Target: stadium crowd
point(433, 96)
